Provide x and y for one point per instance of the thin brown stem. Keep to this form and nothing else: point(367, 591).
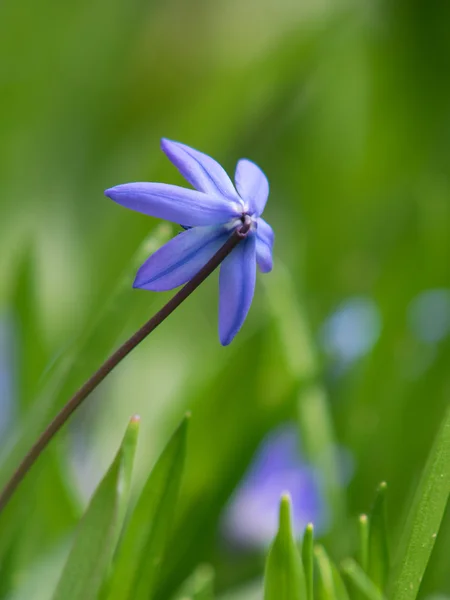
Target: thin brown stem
point(106, 368)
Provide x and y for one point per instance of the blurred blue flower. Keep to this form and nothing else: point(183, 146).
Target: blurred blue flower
point(352, 330)
point(429, 315)
point(251, 518)
point(7, 391)
point(209, 213)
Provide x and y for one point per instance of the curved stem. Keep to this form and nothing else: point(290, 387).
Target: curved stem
point(106, 368)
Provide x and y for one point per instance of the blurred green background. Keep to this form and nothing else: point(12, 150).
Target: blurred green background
point(346, 107)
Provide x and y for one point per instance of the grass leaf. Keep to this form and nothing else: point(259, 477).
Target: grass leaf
point(308, 559)
point(378, 565)
point(363, 548)
point(99, 528)
point(144, 542)
point(200, 586)
point(424, 519)
point(284, 577)
point(363, 586)
point(329, 582)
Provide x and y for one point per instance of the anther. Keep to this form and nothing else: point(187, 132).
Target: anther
point(246, 224)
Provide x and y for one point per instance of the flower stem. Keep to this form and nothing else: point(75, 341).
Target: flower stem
point(106, 368)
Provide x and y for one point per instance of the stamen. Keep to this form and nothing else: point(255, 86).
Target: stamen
point(246, 221)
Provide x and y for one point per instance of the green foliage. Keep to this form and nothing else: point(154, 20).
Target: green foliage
point(308, 559)
point(363, 533)
point(424, 518)
point(140, 555)
point(200, 585)
point(378, 548)
point(284, 577)
point(359, 582)
point(99, 529)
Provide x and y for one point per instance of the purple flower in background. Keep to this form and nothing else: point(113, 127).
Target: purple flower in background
point(7, 367)
point(251, 518)
point(210, 213)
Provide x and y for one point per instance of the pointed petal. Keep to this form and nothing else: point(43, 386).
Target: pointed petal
point(264, 245)
point(202, 171)
point(173, 203)
point(263, 256)
point(180, 259)
point(252, 185)
point(237, 286)
point(265, 232)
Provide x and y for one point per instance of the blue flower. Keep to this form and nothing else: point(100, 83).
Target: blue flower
point(251, 518)
point(210, 213)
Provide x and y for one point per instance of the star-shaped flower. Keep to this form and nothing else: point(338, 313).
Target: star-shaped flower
point(210, 213)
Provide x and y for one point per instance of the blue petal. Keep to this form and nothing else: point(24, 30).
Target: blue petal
point(263, 256)
point(202, 171)
point(237, 286)
point(180, 259)
point(173, 203)
point(264, 245)
point(265, 232)
point(252, 185)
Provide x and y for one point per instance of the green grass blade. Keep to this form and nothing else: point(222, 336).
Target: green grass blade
point(339, 585)
point(141, 551)
point(284, 577)
point(200, 586)
point(98, 530)
point(308, 559)
point(28, 333)
point(359, 581)
point(299, 349)
point(378, 566)
point(325, 583)
point(363, 547)
point(424, 519)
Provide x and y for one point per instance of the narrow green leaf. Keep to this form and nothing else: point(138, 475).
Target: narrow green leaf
point(339, 585)
point(360, 581)
point(200, 586)
point(325, 583)
point(128, 451)
point(99, 528)
point(284, 577)
point(424, 519)
point(144, 542)
point(308, 559)
point(300, 353)
point(378, 566)
point(329, 582)
point(28, 335)
point(363, 548)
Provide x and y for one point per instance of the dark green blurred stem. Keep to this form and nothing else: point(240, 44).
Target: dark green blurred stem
point(90, 385)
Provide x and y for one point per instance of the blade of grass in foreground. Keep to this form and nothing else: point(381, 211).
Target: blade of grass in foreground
point(363, 546)
point(284, 578)
point(424, 519)
point(99, 528)
point(144, 541)
point(308, 559)
point(329, 582)
point(359, 581)
point(378, 565)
